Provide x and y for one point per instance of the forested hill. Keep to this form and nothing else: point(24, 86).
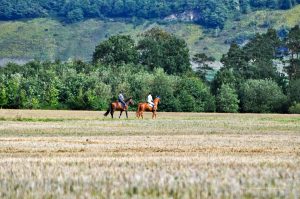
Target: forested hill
point(209, 13)
point(70, 29)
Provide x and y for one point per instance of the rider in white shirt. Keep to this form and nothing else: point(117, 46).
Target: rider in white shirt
point(150, 100)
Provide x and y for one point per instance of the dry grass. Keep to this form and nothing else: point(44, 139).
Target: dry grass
point(67, 154)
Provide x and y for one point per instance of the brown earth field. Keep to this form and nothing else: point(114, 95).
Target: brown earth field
point(81, 154)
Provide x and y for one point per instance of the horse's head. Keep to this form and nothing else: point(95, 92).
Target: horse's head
point(130, 101)
point(157, 99)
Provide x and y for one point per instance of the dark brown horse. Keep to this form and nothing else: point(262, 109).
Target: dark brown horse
point(117, 106)
point(146, 107)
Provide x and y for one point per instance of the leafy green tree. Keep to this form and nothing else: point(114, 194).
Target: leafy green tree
point(261, 51)
point(293, 43)
point(213, 14)
point(160, 49)
point(203, 68)
point(295, 108)
point(51, 97)
point(28, 100)
point(261, 96)
point(140, 85)
point(237, 60)
point(75, 15)
point(6, 9)
point(273, 4)
point(285, 4)
point(3, 96)
point(101, 96)
point(245, 6)
point(13, 88)
point(116, 50)
point(294, 90)
point(187, 102)
point(163, 86)
point(227, 99)
point(78, 101)
point(255, 60)
point(194, 95)
point(257, 3)
point(118, 8)
point(224, 76)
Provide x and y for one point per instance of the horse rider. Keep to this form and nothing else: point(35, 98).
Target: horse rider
point(150, 100)
point(121, 99)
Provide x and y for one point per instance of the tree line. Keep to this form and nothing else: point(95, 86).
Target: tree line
point(160, 63)
point(212, 13)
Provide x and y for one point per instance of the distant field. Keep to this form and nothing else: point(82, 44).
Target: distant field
point(80, 154)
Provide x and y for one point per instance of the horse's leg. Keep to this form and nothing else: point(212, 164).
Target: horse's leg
point(120, 114)
point(126, 114)
point(138, 112)
point(112, 113)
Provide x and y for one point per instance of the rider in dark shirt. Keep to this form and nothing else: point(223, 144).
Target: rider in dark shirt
point(121, 99)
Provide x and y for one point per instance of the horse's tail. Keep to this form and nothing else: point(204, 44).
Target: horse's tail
point(138, 110)
point(108, 110)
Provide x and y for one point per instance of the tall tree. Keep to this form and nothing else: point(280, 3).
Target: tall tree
point(116, 50)
point(285, 4)
point(293, 44)
point(261, 51)
point(236, 59)
point(227, 99)
point(201, 59)
point(158, 48)
point(3, 95)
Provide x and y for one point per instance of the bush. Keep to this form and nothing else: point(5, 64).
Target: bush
point(194, 95)
point(75, 15)
point(295, 109)
point(294, 91)
point(163, 85)
point(261, 96)
point(227, 99)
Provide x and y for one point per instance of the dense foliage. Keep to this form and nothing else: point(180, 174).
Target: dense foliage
point(261, 96)
point(248, 82)
point(77, 85)
point(227, 99)
point(211, 13)
point(157, 48)
point(253, 72)
point(116, 50)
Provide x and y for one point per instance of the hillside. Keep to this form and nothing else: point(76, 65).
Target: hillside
point(50, 38)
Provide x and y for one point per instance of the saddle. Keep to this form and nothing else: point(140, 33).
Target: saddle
point(121, 105)
point(151, 107)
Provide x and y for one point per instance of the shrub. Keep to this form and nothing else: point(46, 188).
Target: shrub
point(194, 95)
point(295, 109)
point(294, 91)
point(261, 96)
point(227, 99)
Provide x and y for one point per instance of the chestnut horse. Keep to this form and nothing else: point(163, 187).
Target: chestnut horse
point(117, 106)
point(146, 107)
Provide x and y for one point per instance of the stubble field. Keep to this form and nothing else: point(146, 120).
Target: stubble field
point(80, 154)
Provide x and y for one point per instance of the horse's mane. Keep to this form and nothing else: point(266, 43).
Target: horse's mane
point(126, 100)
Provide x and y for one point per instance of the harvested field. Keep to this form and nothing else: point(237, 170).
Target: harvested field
point(80, 154)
